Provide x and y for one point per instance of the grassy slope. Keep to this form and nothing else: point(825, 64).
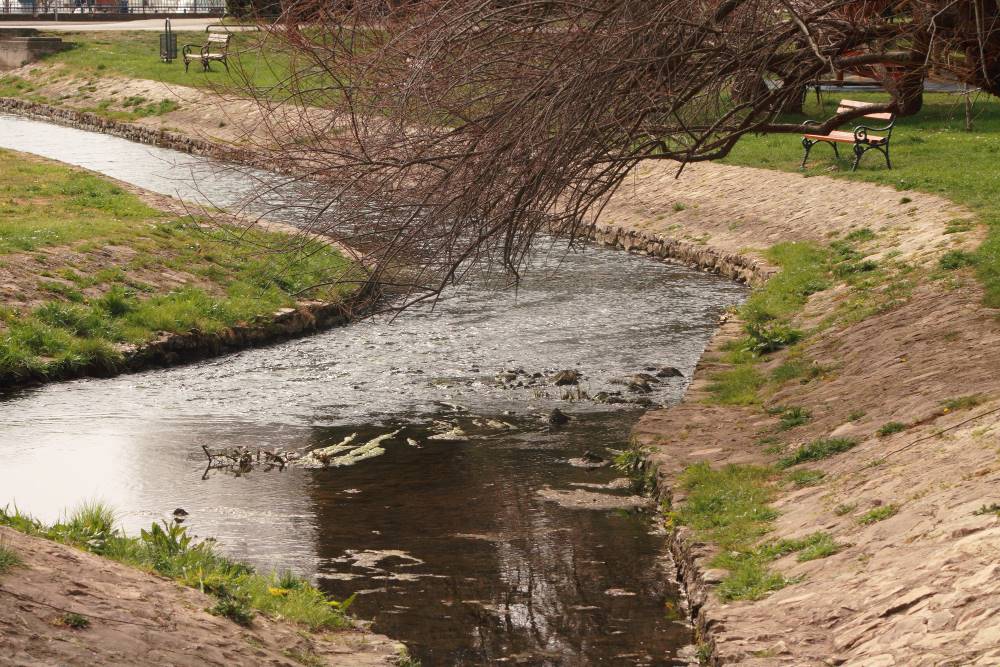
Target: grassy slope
point(931, 152)
point(55, 226)
point(168, 550)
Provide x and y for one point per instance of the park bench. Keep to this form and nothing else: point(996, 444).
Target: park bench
point(216, 47)
point(859, 138)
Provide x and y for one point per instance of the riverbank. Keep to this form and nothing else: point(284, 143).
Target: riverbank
point(100, 278)
point(891, 364)
point(857, 406)
point(65, 606)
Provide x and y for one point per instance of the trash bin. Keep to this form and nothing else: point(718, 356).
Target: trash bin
point(168, 44)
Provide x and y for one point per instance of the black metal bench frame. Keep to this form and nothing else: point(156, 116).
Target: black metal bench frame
point(861, 143)
point(205, 51)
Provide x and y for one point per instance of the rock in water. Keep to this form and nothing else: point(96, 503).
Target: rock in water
point(180, 511)
point(557, 417)
point(566, 377)
point(669, 372)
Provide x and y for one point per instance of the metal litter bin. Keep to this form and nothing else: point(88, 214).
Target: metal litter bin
point(168, 44)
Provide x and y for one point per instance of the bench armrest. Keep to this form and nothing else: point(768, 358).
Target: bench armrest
point(861, 131)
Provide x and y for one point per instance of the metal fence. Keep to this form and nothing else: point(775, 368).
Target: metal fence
point(99, 8)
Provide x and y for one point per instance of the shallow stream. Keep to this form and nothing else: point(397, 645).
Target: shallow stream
point(450, 545)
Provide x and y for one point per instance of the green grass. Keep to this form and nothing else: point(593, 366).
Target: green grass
point(87, 307)
point(168, 550)
point(736, 386)
point(8, 559)
point(932, 152)
point(889, 428)
point(964, 402)
point(806, 477)
point(730, 508)
point(793, 417)
point(878, 514)
point(817, 450)
point(136, 55)
point(766, 315)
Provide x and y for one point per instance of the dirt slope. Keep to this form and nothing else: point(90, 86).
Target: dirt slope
point(921, 587)
point(139, 618)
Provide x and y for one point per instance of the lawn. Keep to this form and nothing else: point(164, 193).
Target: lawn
point(136, 55)
point(89, 270)
point(931, 152)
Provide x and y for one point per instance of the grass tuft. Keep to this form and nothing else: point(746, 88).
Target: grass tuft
point(889, 428)
point(878, 514)
point(817, 450)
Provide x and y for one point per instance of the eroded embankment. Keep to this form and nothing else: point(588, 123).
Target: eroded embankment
point(899, 359)
point(901, 367)
point(63, 606)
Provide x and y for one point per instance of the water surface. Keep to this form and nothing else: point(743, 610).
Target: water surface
point(449, 545)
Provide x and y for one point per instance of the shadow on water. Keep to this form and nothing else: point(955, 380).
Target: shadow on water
point(449, 545)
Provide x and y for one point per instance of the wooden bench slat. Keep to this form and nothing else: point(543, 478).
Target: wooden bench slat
point(842, 137)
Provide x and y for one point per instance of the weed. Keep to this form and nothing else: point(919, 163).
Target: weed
point(404, 659)
point(236, 609)
point(819, 545)
point(817, 450)
point(8, 558)
point(889, 428)
point(806, 477)
point(905, 200)
point(306, 657)
point(736, 386)
point(856, 415)
point(703, 653)
point(792, 417)
point(964, 402)
point(880, 513)
point(844, 508)
point(678, 207)
point(860, 235)
point(992, 508)
point(956, 259)
point(632, 463)
point(75, 621)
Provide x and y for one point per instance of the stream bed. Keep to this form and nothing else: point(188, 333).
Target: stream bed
point(460, 548)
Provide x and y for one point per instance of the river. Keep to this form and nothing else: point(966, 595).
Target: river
point(448, 544)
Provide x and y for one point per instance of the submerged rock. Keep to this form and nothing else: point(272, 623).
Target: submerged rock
point(456, 434)
point(669, 372)
point(557, 417)
point(580, 499)
point(566, 377)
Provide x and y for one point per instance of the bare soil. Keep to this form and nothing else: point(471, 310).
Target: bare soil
point(141, 618)
point(918, 588)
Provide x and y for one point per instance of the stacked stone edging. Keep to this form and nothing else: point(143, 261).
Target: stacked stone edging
point(737, 267)
point(171, 349)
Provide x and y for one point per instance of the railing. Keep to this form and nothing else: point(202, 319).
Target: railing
point(100, 8)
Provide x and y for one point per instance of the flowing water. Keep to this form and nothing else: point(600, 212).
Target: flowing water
point(449, 544)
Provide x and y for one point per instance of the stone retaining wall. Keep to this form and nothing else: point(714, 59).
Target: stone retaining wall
point(737, 267)
point(178, 348)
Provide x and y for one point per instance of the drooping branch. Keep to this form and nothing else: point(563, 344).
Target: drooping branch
point(443, 137)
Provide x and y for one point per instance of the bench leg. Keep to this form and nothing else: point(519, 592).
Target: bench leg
point(859, 150)
point(807, 144)
point(186, 64)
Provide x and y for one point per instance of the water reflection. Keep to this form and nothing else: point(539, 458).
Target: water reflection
point(448, 544)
